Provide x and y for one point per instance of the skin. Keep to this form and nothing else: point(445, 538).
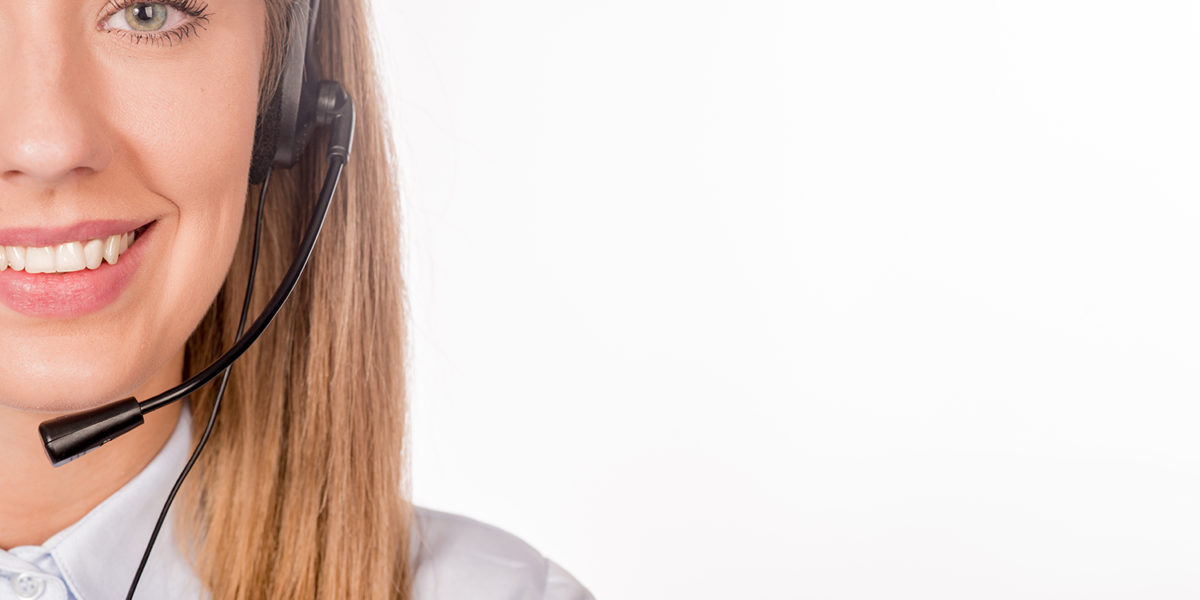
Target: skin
point(95, 125)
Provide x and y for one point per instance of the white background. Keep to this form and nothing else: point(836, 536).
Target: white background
point(799, 299)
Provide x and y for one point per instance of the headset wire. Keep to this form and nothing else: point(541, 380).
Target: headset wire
point(212, 417)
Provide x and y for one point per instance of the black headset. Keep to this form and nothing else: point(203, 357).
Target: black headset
point(301, 105)
point(282, 132)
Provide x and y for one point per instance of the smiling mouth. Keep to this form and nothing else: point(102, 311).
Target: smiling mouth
point(69, 257)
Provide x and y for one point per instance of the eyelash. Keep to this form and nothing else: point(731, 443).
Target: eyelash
point(193, 8)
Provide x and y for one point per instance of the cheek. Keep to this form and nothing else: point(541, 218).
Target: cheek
point(191, 134)
point(186, 117)
point(201, 168)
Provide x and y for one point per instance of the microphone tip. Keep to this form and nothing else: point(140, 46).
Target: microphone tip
point(70, 436)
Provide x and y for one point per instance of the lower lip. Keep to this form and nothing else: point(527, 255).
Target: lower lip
point(75, 294)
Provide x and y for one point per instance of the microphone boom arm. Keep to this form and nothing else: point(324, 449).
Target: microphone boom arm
point(70, 436)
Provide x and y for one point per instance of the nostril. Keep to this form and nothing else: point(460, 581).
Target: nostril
point(44, 177)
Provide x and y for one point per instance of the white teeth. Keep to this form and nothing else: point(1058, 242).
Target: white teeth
point(67, 257)
point(112, 249)
point(93, 253)
point(15, 256)
point(39, 260)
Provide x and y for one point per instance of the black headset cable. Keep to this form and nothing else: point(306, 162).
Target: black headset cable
point(212, 417)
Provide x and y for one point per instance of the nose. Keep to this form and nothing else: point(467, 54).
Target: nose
point(51, 122)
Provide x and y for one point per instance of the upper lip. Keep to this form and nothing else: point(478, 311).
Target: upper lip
point(79, 232)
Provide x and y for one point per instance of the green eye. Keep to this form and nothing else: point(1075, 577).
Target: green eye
point(146, 16)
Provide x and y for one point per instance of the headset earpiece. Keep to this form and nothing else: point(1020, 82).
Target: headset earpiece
point(282, 132)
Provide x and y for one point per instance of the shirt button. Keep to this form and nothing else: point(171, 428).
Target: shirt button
point(28, 586)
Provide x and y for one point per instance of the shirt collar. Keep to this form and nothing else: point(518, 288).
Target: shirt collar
point(98, 555)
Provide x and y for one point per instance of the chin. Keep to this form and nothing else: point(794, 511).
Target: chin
point(64, 385)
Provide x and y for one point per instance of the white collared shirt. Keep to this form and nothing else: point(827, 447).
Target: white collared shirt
point(456, 558)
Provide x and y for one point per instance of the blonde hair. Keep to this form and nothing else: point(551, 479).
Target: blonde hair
point(302, 491)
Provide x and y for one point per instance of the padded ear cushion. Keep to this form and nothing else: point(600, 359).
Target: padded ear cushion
point(266, 139)
point(284, 129)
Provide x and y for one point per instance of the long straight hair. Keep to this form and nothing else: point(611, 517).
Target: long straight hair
point(302, 492)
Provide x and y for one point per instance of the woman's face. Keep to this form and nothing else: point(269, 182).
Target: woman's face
point(103, 133)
